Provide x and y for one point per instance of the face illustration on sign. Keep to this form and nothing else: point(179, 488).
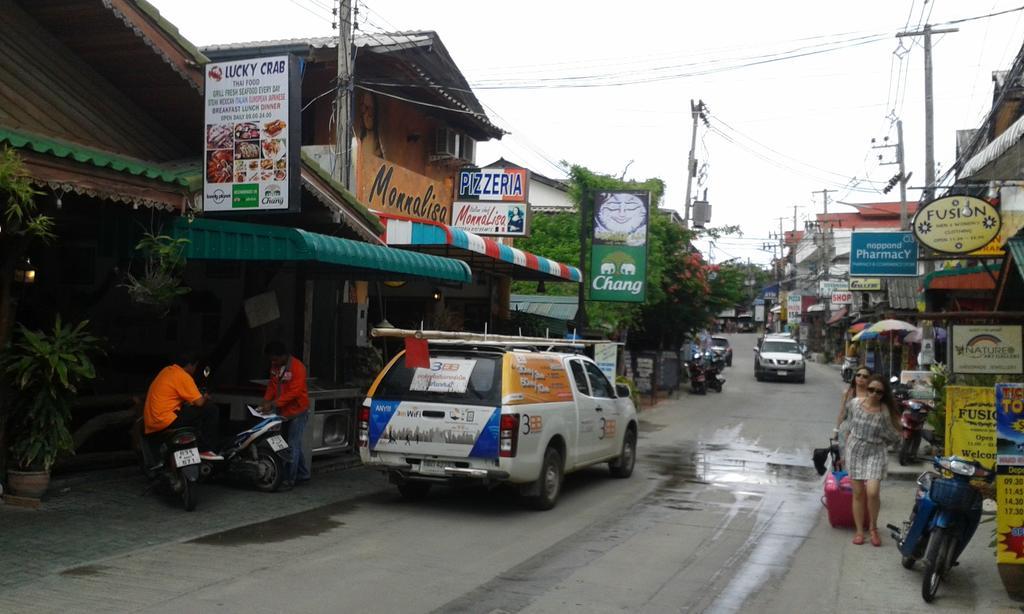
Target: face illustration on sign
point(620, 218)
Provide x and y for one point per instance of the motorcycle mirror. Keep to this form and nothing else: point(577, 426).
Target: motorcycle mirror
point(206, 371)
point(893, 379)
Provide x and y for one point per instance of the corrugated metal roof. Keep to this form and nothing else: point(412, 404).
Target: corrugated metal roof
point(902, 292)
point(377, 39)
point(555, 307)
point(186, 177)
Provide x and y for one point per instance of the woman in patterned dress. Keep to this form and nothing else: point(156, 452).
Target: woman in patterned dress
point(874, 423)
point(858, 390)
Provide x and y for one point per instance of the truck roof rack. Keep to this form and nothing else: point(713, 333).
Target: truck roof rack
point(456, 338)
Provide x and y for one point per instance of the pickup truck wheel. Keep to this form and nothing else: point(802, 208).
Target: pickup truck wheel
point(550, 481)
point(414, 491)
point(622, 467)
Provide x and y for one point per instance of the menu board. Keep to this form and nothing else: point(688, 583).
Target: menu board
point(251, 136)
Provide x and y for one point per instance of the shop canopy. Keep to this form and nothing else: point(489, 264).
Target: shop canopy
point(837, 317)
point(965, 278)
point(479, 252)
point(214, 239)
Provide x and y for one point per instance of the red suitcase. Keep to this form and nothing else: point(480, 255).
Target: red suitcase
point(838, 499)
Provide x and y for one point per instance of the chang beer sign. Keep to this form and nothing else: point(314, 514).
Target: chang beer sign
point(618, 254)
point(957, 224)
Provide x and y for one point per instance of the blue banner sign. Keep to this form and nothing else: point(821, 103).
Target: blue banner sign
point(883, 254)
point(770, 293)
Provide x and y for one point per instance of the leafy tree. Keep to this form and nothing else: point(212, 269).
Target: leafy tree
point(683, 292)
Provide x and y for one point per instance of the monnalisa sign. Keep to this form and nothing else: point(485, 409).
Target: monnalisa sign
point(251, 150)
point(866, 284)
point(957, 224)
point(990, 349)
point(490, 218)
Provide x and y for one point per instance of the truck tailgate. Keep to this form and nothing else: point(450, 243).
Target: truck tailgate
point(434, 429)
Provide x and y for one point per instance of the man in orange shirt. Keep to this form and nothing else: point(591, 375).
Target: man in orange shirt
point(174, 401)
point(288, 395)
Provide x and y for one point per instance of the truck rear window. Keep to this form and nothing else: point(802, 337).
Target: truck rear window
point(483, 386)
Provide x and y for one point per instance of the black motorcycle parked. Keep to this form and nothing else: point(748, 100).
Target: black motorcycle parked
point(170, 460)
point(716, 365)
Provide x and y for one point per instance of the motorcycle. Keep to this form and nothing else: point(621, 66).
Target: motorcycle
point(698, 372)
point(945, 515)
point(171, 459)
point(914, 414)
point(713, 375)
point(257, 455)
point(849, 368)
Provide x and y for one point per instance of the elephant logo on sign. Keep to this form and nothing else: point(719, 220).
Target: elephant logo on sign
point(627, 268)
point(607, 268)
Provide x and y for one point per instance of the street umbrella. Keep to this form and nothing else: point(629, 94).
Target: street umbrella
point(856, 328)
point(892, 327)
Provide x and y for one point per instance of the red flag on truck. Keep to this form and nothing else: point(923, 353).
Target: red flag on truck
point(417, 354)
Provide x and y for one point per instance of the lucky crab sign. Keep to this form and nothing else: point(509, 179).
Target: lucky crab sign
point(957, 224)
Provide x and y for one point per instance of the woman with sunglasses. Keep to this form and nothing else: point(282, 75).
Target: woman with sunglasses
point(858, 390)
point(874, 423)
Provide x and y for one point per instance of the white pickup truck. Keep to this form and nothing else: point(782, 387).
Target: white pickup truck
point(496, 415)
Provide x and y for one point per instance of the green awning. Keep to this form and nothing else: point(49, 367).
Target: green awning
point(211, 239)
point(189, 176)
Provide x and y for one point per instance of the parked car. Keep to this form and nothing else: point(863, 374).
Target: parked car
point(720, 346)
point(779, 358)
point(495, 415)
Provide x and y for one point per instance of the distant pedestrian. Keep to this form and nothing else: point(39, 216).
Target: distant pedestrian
point(288, 394)
point(858, 390)
point(874, 423)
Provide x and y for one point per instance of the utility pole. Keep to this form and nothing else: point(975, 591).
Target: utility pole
point(696, 110)
point(343, 99)
point(902, 176)
point(929, 132)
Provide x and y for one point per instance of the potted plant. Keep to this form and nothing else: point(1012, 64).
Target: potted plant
point(43, 371)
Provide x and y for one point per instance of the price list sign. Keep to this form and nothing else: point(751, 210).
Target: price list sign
point(1010, 469)
point(251, 135)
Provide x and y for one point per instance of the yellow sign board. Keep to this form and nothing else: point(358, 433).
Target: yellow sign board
point(994, 249)
point(865, 284)
point(971, 423)
point(957, 224)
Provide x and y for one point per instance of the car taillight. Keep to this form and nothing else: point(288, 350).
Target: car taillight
point(508, 435)
point(183, 438)
point(364, 426)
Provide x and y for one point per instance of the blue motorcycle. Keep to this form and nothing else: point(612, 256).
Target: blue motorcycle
point(945, 515)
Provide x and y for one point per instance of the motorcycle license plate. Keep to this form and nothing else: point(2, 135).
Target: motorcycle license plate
point(277, 443)
point(186, 457)
point(781, 373)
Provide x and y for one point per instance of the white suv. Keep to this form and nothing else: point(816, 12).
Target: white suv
point(781, 358)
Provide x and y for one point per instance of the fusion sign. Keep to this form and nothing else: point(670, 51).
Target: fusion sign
point(252, 113)
point(888, 254)
point(618, 254)
point(957, 224)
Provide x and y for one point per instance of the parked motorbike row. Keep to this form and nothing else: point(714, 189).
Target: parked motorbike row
point(256, 455)
point(705, 371)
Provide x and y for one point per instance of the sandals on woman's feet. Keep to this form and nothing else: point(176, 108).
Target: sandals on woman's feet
point(876, 541)
point(858, 539)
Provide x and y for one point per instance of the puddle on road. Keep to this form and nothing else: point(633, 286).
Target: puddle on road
point(303, 524)
point(85, 571)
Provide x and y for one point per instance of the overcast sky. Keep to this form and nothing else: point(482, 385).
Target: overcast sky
point(608, 85)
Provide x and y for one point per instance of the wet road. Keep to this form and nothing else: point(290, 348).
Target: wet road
point(721, 515)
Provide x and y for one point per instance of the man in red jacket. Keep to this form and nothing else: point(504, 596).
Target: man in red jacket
point(288, 396)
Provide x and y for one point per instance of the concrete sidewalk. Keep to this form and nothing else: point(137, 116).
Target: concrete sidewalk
point(96, 515)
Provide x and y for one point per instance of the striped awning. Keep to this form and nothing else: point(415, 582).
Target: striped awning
point(480, 253)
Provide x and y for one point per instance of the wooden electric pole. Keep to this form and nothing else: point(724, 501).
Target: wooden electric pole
point(691, 164)
point(343, 99)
